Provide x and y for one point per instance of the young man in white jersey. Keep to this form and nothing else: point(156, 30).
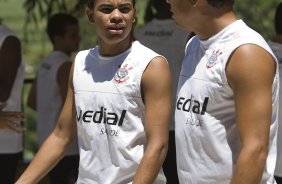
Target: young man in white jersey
point(226, 112)
point(51, 83)
point(276, 46)
point(162, 35)
point(11, 83)
point(118, 102)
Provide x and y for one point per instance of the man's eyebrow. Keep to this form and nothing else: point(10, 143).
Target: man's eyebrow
point(105, 5)
point(110, 5)
point(125, 4)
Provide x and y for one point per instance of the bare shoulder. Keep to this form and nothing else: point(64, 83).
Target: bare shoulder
point(156, 78)
point(250, 62)
point(65, 67)
point(158, 67)
point(158, 63)
point(12, 42)
point(11, 51)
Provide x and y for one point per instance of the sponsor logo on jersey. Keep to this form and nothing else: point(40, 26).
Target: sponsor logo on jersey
point(192, 105)
point(122, 74)
point(213, 59)
point(46, 66)
point(101, 116)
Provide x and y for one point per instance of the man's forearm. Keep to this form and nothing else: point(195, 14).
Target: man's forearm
point(249, 167)
point(47, 157)
point(150, 165)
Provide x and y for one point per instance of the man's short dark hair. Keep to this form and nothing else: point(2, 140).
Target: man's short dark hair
point(278, 19)
point(58, 23)
point(219, 3)
point(90, 3)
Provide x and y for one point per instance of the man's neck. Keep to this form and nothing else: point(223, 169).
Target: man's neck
point(215, 25)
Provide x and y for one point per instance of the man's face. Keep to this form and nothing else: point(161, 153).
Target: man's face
point(181, 12)
point(72, 38)
point(113, 19)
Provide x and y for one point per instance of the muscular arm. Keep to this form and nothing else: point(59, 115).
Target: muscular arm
point(55, 145)
point(250, 73)
point(10, 60)
point(156, 88)
point(62, 79)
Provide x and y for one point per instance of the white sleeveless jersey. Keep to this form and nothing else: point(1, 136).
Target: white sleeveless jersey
point(111, 114)
point(49, 101)
point(277, 50)
point(12, 142)
point(167, 39)
point(207, 141)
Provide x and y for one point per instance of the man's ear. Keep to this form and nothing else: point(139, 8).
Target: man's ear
point(194, 3)
point(90, 15)
point(135, 17)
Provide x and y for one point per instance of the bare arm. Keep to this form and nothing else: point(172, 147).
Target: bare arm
point(55, 145)
point(156, 88)
point(10, 60)
point(250, 73)
point(31, 100)
point(62, 79)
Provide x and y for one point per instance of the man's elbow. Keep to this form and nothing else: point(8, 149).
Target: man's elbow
point(164, 148)
point(161, 150)
point(258, 151)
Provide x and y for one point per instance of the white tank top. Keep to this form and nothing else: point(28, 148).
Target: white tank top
point(167, 39)
point(206, 136)
point(111, 114)
point(277, 49)
point(49, 101)
point(12, 142)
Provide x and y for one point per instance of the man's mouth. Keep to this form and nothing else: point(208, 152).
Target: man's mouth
point(116, 29)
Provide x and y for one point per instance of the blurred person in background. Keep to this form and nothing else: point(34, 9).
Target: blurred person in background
point(49, 91)
point(8, 120)
point(11, 85)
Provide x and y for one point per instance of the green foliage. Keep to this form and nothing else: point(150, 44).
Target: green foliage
point(258, 14)
point(45, 8)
